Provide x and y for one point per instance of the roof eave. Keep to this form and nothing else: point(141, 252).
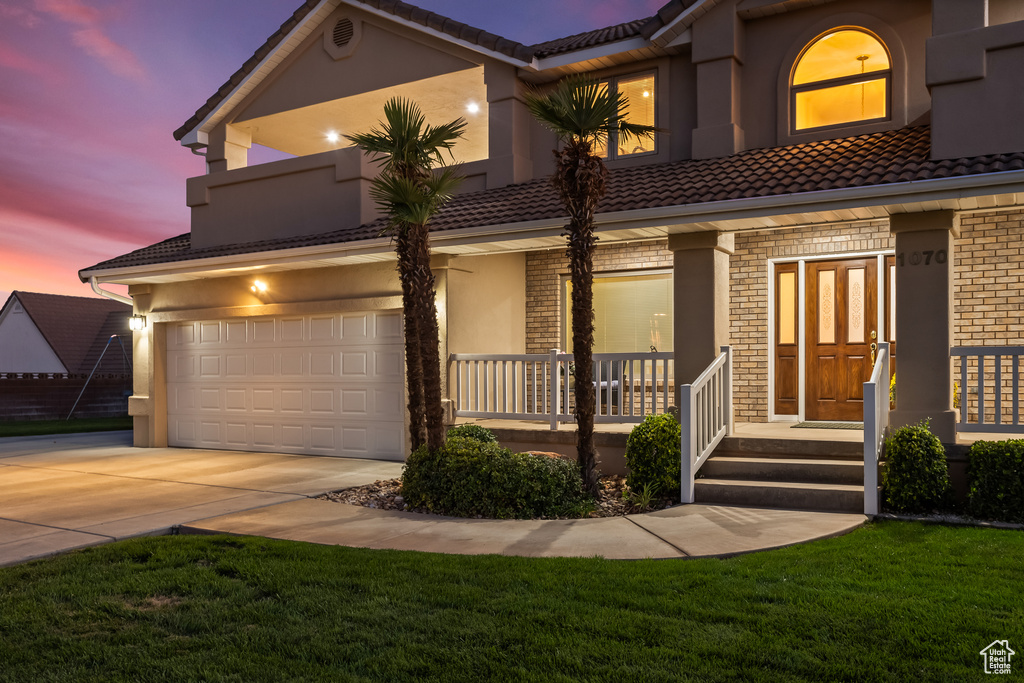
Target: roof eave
point(910, 192)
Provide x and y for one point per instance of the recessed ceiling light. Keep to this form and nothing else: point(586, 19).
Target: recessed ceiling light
point(333, 137)
point(473, 108)
point(259, 287)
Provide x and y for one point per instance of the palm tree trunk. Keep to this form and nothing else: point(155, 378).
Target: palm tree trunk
point(413, 360)
point(425, 296)
point(580, 180)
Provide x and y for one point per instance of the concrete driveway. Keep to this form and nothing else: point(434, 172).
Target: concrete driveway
point(58, 493)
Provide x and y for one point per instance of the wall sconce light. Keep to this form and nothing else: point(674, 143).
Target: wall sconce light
point(137, 323)
point(259, 287)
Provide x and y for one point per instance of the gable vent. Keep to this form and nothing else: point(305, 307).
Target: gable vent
point(343, 32)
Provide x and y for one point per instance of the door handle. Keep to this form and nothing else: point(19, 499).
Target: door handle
point(874, 347)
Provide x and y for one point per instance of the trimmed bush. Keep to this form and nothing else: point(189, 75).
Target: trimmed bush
point(481, 434)
point(469, 478)
point(915, 477)
point(995, 477)
point(653, 456)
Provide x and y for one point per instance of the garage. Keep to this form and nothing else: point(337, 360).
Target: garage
point(322, 384)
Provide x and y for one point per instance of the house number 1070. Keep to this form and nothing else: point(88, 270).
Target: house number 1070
point(916, 258)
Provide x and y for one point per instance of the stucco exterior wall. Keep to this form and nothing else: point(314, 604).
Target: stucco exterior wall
point(487, 304)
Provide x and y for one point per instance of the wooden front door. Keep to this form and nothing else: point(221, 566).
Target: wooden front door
point(842, 321)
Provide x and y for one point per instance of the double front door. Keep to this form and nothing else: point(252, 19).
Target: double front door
point(841, 333)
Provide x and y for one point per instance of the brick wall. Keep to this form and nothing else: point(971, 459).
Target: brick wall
point(748, 291)
point(26, 397)
point(989, 295)
point(544, 270)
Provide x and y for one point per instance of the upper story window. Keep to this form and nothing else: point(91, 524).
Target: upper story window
point(639, 93)
point(844, 76)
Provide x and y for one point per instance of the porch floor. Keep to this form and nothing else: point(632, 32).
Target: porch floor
point(749, 430)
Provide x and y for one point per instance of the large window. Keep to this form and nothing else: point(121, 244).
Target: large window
point(842, 77)
point(639, 94)
point(632, 313)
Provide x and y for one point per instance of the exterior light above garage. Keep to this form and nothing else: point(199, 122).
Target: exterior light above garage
point(259, 287)
point(137, 323)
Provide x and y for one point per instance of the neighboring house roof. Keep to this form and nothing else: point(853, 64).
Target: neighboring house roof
point(77, 328)
point(864, 161)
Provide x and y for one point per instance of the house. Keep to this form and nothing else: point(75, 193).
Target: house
point(835, 172)
point(52, 358)
point(55, 334)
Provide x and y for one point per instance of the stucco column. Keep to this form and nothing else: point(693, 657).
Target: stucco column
point(148, 403)
point(924, 320)
point(440, 265)
point(700, 300)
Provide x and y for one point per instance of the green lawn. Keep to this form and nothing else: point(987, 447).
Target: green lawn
point(890, 602)
point(37, 427)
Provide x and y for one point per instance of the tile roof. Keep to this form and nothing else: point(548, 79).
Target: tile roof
point(77, 328)
point(863, 161)
point(588, 39)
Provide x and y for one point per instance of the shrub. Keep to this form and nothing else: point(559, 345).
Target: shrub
point(915, 477)
point(481, 434)
point(653, 456)
point(469, 478)
point(995, 477)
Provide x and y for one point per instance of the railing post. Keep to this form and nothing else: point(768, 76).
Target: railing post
point(870, 450)
point(688, 445)
point(555, 387)
point(727, 392)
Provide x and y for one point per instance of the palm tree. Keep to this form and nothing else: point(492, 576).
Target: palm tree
point(409, 191)
point(583, 112)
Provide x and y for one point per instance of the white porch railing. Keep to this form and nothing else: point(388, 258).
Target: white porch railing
point(705, 417)
point(1001, 365)
point(876, 423)
point(539, 386)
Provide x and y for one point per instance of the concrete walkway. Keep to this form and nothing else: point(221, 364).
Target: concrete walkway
point(59, 493)
point(679, 532)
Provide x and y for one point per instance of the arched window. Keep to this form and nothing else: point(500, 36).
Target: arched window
point(844, 76)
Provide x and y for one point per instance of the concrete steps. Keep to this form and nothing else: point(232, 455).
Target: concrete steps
point(782, 473)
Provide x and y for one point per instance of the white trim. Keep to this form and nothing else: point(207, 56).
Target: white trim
point(681, 18)
point(836, 256)
point(587, 54)
point(772, 339)
point(801, 350)
point(880, 306)
point(802, 262)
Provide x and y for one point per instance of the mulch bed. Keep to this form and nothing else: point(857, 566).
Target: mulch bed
point(387, 495)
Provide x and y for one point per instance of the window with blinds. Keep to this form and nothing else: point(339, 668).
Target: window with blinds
point(632, 313)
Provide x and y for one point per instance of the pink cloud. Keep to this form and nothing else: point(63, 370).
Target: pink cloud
point(93, 39)
point(72, 11)
point(12, 59)
point(117, 58)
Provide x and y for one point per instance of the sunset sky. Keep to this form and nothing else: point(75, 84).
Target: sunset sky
point(91, 90)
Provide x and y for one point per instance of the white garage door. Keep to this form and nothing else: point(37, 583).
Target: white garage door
point(321, 384)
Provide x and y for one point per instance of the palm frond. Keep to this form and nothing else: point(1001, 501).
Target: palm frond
point(582, 108)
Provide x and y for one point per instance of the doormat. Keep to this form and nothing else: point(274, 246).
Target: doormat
point(829, 425)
